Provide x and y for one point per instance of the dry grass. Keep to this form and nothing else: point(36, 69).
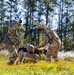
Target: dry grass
point(62, 67)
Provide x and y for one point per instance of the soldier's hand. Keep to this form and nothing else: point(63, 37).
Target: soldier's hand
point(37, 47)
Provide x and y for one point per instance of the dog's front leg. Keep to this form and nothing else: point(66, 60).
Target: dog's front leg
point(20, 57)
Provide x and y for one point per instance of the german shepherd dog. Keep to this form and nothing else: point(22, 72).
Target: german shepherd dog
point(18, 56)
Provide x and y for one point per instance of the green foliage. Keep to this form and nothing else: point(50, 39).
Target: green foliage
point(42, 37)
point(69, 44)
point(43, 57)
point(20, 33)
point(40, 9)
point(3, 31)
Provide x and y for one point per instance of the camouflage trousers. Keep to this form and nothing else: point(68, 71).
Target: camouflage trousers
point(31, 57)
point(52, 52)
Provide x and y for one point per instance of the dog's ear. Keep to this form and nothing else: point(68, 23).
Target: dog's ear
point(45, 50)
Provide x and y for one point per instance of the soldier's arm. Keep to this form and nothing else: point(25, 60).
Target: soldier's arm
point(38, 24)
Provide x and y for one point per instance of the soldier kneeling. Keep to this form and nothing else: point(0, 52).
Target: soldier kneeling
point(30, 55)
point(27, 53)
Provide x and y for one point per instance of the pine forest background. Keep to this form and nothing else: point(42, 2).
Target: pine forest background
point(45, 11)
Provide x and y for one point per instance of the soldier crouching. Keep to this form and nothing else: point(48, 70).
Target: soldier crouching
point(30, 56)
point(52, 40)
point(26, 53)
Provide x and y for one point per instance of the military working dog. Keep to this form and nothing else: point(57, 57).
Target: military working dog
point(27, 54)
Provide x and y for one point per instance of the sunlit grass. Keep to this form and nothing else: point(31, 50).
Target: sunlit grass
point(62, 67)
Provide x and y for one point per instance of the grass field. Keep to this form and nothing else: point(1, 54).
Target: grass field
point(62, 67)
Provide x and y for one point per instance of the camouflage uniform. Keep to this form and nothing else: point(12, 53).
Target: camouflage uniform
point(54, 43)
point(12, 33)
point(52, 40)
point(11, 38)
point(30, 55)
